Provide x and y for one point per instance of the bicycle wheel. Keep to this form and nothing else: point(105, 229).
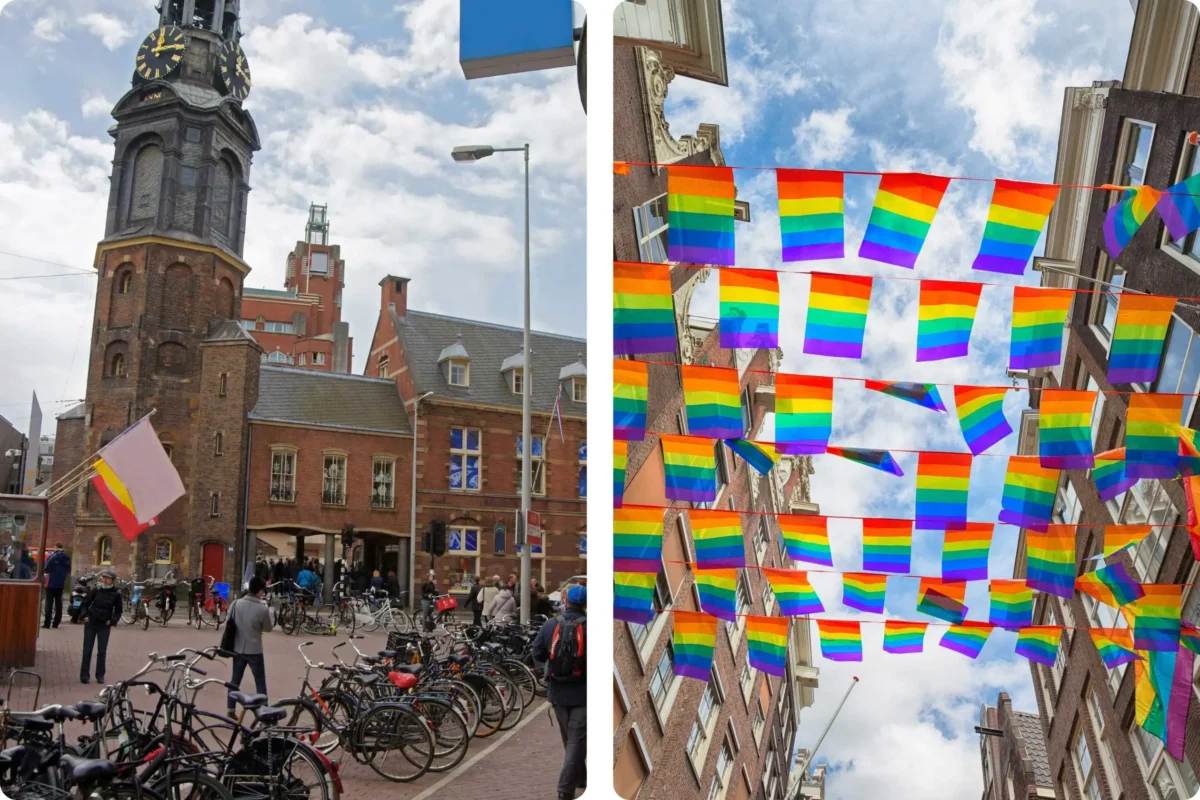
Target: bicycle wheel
point(289, 619)
point(461, 696)
point(278, 766)
point(128, 611)
point(398, 744)
point(370, 622)
point(491, 704)
point(189, 784)
point(305, 723)
point(450, 734)
point(144, 617)
point(514, 705)
point(523, 677)
point(346, 619)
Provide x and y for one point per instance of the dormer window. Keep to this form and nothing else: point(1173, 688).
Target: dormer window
point(575, 375)
point(456, 364)
point(579, 390)
point(518, 380)
point(460, 373)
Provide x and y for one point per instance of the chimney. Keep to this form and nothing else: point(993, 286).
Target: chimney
point(394, 294)
point(341, 347)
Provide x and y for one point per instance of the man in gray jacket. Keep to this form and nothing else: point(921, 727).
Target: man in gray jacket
point(251, 619)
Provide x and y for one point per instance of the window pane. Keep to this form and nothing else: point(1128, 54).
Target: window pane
point(472, 472)
point(583, 481)
point(456, 438)
point(472, 541)
point(1109, 318)
point(454, 542)
point(473, 440)
point(456, 472)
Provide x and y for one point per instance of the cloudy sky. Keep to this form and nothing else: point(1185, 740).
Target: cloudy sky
point(358, 104)
point(966, 87)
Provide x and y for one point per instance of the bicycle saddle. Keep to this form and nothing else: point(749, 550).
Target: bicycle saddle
point(409, 669)
point(462, 661)
point(368, 679)
point(88, 769)
point(388, 653)
point(90, 711)
point(269, 715)
point(372, 659)
point(250, 701)
point(35, 724)
point(57, 713)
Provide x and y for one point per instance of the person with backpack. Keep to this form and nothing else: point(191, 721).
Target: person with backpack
point(58, 569)
point(562, 644)
point(101, 610)
point(249, 618)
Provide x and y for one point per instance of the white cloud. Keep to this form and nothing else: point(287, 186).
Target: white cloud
point(825, 137)
point(48, 28)
point(108, 29)
point(96, 105)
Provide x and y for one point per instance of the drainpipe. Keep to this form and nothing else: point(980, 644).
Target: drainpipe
point(412, 505)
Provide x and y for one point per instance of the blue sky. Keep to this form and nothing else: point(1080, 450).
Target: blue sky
point(358, 104)
point(965, 87)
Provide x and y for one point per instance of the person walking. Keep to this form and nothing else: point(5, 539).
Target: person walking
point(474, 602)
point(376, 580)
point(428, 593)
point(503, 605)
point(58, 569)
point(561, 643)
point(251, 618)
point(100, 611)
point(489, 596)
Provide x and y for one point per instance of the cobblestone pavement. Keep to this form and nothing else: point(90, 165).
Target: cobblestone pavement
point(520, 764)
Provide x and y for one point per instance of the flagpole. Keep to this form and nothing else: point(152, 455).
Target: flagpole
point(89, 460)
point(549, 425)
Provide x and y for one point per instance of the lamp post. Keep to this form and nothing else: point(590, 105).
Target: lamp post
point(474, 153)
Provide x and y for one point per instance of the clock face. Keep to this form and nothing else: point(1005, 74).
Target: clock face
point(234, 70)
point(161, 53)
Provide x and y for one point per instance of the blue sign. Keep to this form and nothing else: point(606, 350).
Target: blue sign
point(504, 37)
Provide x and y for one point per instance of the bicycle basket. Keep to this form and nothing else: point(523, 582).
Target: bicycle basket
point(446, 603)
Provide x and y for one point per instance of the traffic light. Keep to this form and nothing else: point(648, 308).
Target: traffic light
point(438, 529)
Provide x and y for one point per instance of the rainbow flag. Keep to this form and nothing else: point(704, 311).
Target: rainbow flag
point(945, 318)
point(876, 459)
point(1011, 604)
point(1111, 584)
point(620, 462)
point(1189, 636)
point(712, 396)
point(965, 552)
point(1138, 337)
point(631, 387)
point(695, 639)
point(806, 538)
point(1152, 435)
point(981, 416)
point(943, 480)
point(1118, 537)
point(633, 597)
point(1179, 207)
point(749, 301)
point(841, 640)
point(757, 454)
point(1039, 643)
point(718, 592)
point(767, 637)
point(1189, 454)
point(700, 215)
point(718, 539)
point(1124, 218)
point(905, 206)
point(967, 639)
point(1115, 645)
point(803, 413)
point(690, 465)
point(1163, 694)
point(811, 213)
point(864, 591)
point(924, 395)
point(904, 637)
point(1156, 617)
point(1029, 490)
point(1110, 475)
point(797, 597)
point(1038, 318)
point(944, 600)
point(837, 315)
point(1014, 223)
point(1065, 429)
point(637, 540)
point(887, 545)
point(643, 309)
point(1050, 560)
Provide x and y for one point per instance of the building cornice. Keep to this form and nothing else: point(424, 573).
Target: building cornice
point(279, 423)
point(655, 76)
point(223, 255)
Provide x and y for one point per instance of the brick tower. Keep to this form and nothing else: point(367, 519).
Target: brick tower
point(170, 273)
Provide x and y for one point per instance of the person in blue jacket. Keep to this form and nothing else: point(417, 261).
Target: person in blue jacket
point(58, 569)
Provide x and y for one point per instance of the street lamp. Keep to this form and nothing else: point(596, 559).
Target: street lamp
point(469, 153)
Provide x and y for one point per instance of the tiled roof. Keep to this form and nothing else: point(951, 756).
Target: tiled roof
point(329, 399)
point(425, 336)
point(1029, 728)
point(282, 294)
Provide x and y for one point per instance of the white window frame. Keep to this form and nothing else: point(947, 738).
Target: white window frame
point(759, 724)
point(464, 454)
point(1089, 775)
point(389, 465)
point(518, 380)
point(705, 725)
point(650, 241)
point(464, 366)
point(762, 540)
point(1148, 504)
point(579, 390)
point(318, 358)
point(381, 366)
point(663, 700)
point(278, 327)
point(1153, 766)
point(1187, 251)
point(734, 630)
point(462, 551)
point(102, 558)
point(329, 458)
point(277, 472)
point(746, 683)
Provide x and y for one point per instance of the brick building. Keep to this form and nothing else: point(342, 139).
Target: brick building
point(732, 737)
point(1124, 132)
point(1013, 753)
point(11, 440)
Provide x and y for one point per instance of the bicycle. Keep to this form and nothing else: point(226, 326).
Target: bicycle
point(205, 605)
point(379, 610)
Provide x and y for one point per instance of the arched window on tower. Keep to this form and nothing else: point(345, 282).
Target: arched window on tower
point(203, 17)
point(225, 211)
point(145, 184)
point(125, 282)
point(116, 367)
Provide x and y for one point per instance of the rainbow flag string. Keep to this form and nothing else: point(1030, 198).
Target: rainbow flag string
point(887, 545)
point(806, 538)
point(967, 639)
point(924, 395)
point(712, 396)
point(803, 413)
point(1039, 643)
point(758, 455)
point(1014, 223)
point(620, 462)
point(1011, 604)
point(1112, 585)
point(945, 318)
point(643, 309)
point(690, 465)
point(796, 596)
point(633, 597)
point(941, 599)
point(767, 639)
point(1179, 207)
point(700, 203)
point(1110, 476)
point(980, 412)
point(837, 315)
point(943, 482)
point(1038, 318)
point(1152, 435)
point(1119, 537)
point(718, 592)
point(1125, 217)
point(1138, 337)
point(695, 640)
point(718, 539)
point(637, 540)
point(841, 640)
point(904, 637)
point(1156, 617)
point(864, 591)
point(1050, 560)
point(811, 213)
point(1065, 429)
point(1029, 490)
point(749, 308)
point(1115, 646)
point(905, 206)
point(881, 460)
point(631, 387)
point(965, 552)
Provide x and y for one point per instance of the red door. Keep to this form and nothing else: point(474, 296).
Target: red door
point(213, 561)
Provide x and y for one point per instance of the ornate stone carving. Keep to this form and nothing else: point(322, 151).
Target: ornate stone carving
point(688, 344)
point(655, 78)
point(774, 358)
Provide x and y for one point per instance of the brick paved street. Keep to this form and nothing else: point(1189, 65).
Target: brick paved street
point(521, 764)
